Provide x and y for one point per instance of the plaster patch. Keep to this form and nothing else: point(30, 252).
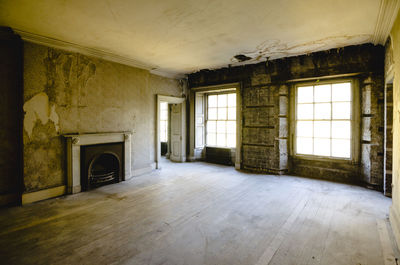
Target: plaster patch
point(37, 108)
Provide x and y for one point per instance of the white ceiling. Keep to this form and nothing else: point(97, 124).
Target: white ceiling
point(183, 36)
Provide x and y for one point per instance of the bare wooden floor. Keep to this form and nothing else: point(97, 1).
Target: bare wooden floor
point(198, 213)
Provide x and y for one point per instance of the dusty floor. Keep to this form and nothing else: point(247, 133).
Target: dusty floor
point(199, 213)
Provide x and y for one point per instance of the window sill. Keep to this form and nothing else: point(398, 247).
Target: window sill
point(325, 159)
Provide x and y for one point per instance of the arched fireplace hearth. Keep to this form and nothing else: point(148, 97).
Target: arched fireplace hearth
point(102, 164)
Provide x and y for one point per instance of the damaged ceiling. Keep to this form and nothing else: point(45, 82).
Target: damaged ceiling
point(176, 37)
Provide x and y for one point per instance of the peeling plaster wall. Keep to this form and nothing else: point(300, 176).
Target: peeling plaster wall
point(266, 92)
point(72, 93)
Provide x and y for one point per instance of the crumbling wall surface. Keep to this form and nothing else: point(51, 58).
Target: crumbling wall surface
point(71, 93)
point(266, 97)
point(372, 133)
point(10, 112)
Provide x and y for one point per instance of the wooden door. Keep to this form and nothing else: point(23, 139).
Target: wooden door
point(176, 132)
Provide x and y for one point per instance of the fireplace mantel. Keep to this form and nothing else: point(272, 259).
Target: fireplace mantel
point(74, 143)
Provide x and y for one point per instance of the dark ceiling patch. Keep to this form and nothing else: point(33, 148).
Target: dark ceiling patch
point(242, 57)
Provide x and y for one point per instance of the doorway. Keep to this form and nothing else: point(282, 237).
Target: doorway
point(164, 130)
point(171, 129)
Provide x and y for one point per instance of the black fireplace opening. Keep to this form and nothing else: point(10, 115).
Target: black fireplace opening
point(102, 164)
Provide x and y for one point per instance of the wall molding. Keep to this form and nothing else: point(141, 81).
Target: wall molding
point(387, 14)
point(43, 194)
point(97, 53)
point(144, 170)
point(167, 74)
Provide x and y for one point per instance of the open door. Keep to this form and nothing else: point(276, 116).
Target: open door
point(177, 129)
point(176, 132)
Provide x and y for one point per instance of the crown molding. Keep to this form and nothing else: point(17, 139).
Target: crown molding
point(387, 14)
point(167, 74)
point(97, 53)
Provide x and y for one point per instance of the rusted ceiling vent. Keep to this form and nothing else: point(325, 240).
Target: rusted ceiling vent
point(242, 57)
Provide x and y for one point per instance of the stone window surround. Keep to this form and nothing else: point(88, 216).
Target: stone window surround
point(196, 152)
point(74, 143)
point(355, 130)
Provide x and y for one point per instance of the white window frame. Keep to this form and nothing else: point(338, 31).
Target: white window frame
point(354, 120)
point(206, 95)
point(196, 94)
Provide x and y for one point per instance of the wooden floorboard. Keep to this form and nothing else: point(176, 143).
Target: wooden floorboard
point(199, 213)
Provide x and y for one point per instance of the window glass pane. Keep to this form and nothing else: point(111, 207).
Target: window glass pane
point(322, 93)
point(341, 148)
point(221, 139)
point(341, 129)
point(322, 111)
point(232, 100)
point(212, 101)
point(231, 138)
point(222, 115)
point(163, 131)
point(305, 128)
point(305, 94)
point(304, 111)
point(322, 129)
point(212, 113)
point(221, 126)
point(304, 145)
point(164, 106)
point(231, 127)
point(341, 92)
point(341, 110)
point(322, 146)
point(212, 126)
point(222, 100)
point(211, 139)
point(232, 113)
point(164, 115)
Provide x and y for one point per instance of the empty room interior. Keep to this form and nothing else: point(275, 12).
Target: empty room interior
point(200, 132)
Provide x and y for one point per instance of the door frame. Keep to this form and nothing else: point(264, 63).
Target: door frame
point(170, 100)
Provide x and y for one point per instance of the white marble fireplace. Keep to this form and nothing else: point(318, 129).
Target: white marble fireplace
point(74, 143)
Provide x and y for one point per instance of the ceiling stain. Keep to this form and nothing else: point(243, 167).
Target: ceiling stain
point(242, 58)
point(274, 49)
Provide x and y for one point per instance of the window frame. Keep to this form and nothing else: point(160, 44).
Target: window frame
point(354, 120)
point(211, 93)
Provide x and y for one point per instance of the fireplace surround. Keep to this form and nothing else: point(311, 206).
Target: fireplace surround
point(77, 143)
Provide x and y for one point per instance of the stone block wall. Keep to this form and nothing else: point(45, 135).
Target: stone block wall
point(372, 115)
point(266, 125)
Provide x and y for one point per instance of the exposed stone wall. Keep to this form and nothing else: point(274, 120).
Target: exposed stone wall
point(71, 93)
point(11, 113)
point(388, 119)
point(266, 124)
point(372, 114)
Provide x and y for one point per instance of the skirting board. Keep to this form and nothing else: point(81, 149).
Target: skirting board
point(43, 194)
point(394, 223)
point(144, 170)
